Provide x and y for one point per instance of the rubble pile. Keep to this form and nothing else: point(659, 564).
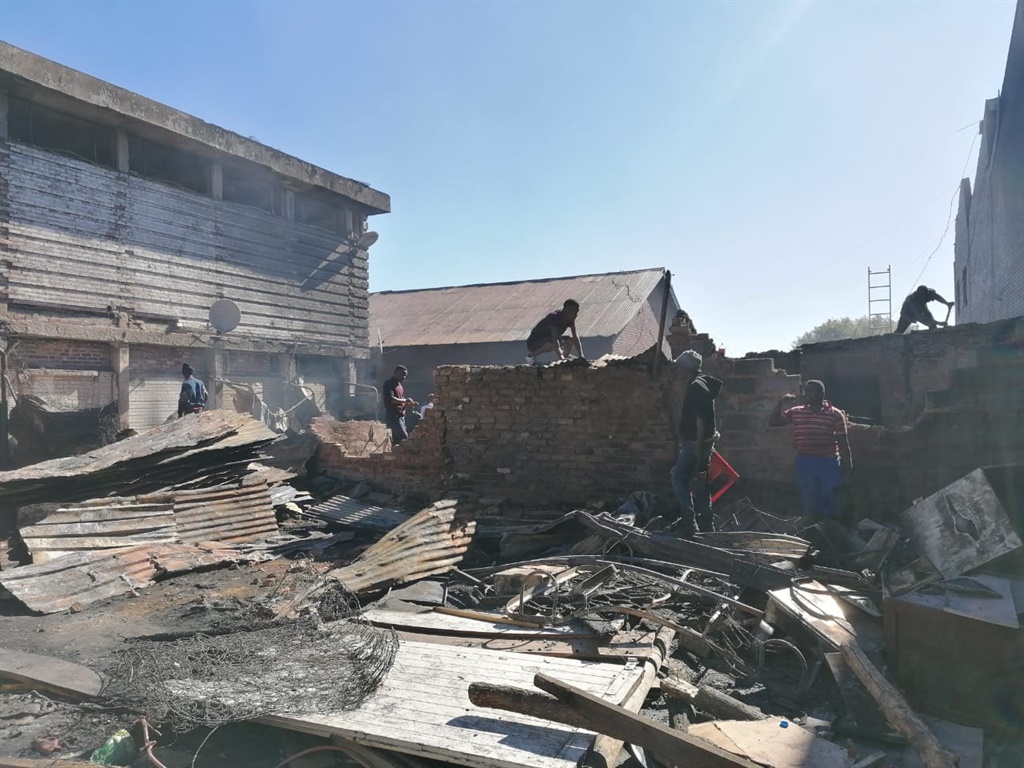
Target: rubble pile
point(474, 631)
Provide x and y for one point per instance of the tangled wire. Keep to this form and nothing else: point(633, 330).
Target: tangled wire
point(328, 660)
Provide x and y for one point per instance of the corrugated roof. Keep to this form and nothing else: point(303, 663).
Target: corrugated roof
point(475, 314)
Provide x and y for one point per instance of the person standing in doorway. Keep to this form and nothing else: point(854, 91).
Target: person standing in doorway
point(193, 395)
point(820, 436)
point(697, 433)
point(396, 404)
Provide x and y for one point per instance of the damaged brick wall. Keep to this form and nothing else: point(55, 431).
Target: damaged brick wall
point(572, 434)
point(417, 466)
point(555, 435)
point(886, 379)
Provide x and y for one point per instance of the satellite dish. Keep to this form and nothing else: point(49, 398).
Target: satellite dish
point(225, 315)
point(366, 240)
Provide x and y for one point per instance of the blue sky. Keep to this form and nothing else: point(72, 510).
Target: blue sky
point(766, 153)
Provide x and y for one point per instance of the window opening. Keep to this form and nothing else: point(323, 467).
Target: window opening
point(69, 135)
point(169, 165)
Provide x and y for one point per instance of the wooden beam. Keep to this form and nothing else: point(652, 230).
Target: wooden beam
point(721, 705)
point(580, 709)
point(606, 750)
point(897, 711)
point(63, 677)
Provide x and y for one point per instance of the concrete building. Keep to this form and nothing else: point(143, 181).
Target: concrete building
point(488, 324)
point(122, 221)
point(989, 253)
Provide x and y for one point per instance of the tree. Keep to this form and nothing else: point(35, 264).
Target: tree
point(836, 329)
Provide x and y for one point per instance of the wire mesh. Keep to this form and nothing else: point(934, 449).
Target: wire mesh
point(329, 660)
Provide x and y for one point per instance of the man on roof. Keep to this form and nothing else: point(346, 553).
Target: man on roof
point(915, 309)
point(548, 334)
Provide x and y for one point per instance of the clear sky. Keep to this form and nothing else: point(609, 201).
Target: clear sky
point(767, 153)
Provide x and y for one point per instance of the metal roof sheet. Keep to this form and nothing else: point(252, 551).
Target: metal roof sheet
point(495, 312)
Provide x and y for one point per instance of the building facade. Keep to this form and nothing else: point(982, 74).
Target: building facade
point(123, 221)
point(989, 253)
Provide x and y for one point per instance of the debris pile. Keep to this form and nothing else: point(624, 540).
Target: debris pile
point(475, 633)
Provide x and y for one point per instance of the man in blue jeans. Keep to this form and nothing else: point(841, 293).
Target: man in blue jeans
point(697, 436)
point(821, 441)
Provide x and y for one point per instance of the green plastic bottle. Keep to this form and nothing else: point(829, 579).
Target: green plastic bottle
point(119, 749)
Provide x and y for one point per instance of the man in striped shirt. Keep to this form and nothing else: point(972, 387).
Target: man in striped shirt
point(822, 445)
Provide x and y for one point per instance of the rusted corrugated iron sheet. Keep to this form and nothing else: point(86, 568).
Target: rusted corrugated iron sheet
point(430, 542)
point(353, 513)
point(474, 314)
point(97, 524)
point(167, 455)
point(86, 577)
point(235, 514)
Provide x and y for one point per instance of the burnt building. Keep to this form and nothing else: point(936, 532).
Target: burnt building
point(123, 221)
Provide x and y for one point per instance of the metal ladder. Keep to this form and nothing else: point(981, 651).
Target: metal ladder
point(879, 301)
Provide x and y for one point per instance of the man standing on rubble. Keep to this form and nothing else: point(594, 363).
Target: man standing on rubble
point(193, 395)
point(697, 433)
point(396, 404)
point(822, 443)
point(915, 309)
point(546, 335)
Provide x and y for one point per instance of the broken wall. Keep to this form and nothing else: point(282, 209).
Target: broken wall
point(573, 433)
point(886, 379)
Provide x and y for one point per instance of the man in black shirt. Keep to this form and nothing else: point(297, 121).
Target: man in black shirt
point(396, 404)
point(915, 309)
point(193, 395)
point(546, 335)
point(697, 435)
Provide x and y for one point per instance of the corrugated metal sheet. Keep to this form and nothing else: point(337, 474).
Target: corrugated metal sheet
point(475, 314)
point(353, 513)
point(98, 524)
point(236, 514)
point(84, 237)
point(432, 541)
point(85, 577)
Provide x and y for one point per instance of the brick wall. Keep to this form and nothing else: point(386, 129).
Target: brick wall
point(62, 355)
point(166, 361)
point(893, 374)
point(418, 465)
point(571, 434)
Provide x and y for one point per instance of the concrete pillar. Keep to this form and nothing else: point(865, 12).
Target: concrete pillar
point(3, 114)
point(289, 204)
point(217, 181)
point(218, 368)
point(121, 147)
point(120, 359)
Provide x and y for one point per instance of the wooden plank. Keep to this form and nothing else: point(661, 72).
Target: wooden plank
point(436, 622)
point(967, 743)
point(63, 677)
point(621, 646)
point(423, 709)
point(961, 527)
point(766, 743)
point(574, 706)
